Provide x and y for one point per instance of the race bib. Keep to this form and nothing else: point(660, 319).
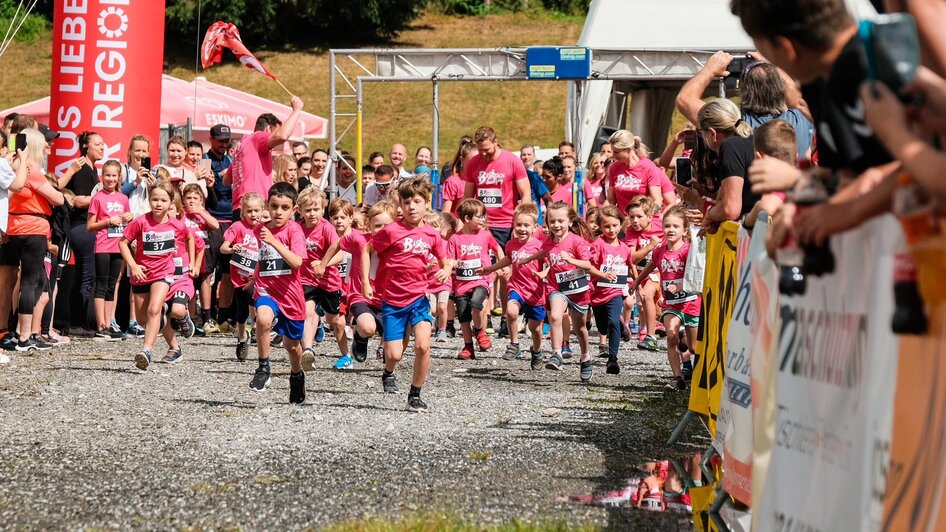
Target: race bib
point(158, 242)
point(178, 266)
point(491, 197)
point(344, 265)
point(466, 270)
point(620, 283)
point(114, 231)
point(572, 282)
point(271, 263)
point(245, 261)
point(674, 293)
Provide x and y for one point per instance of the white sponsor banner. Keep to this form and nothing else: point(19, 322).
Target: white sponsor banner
point(834, 390)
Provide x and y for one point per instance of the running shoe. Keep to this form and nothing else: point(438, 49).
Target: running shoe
point(135, 330)
point(359, 348)
point(389, 383)
point(252, 335)
point(677, 383)
point(320, 334)
point(536, 362)
point(613, 367)
point(660, 330)
point(416, 404)
point(626, 333)
point(587, 368)
point(503, 328)
point(555, 362)
point(107, 334)
point(649, 343)
point(566, 352)
point(451, 330)
point(344, 362)
point(173, 356)
point(224, 327)
point(186, 326)
point(442, 337)
point(466, 353)
point(8, 341)
point(497, 311)
point(604, 351)
point(116, 328)
point(261, 379)
point(211, 327)
point(242, 349)
point(41, 345)
point(308, 359)
point(143, 359)
point(30, 344)
point(51, 340)
point(297, 388)
point(483, 341)
point(512, 352)
point(275, 340)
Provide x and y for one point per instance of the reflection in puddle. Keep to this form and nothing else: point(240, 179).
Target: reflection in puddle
point(661, 486)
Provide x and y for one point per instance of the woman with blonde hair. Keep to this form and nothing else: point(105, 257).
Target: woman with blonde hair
point(596, 182)
point(725, 132)
point(285, 170)
point(632, 173)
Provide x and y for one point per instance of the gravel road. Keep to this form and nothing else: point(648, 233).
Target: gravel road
point(88, 441)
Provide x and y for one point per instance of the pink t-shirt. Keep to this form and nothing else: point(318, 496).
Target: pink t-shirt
point(593, 190)
point(634, 181)
point(563, 276)
point(402, 253)
point(182, 260)
point(672, 265)
point(198, 225)
point(495, 183)
point(433, 266)
point(156, 246)
point(352, 244)
point(252, 168)
point(274, 278)
point(243, 263)
point(609, 258)
point(453, 189)
point(563, 193)
point(639, 240)
point(471, 253)
point(318, 238)
point(524, 279)
point(105, 205)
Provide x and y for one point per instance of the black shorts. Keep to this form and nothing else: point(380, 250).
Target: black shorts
point(222, 262)
point(468, 302)
point(211, 254)
point(501, 235)
point(146, 288)
point(180, 298)
point(330, 302)
point(361, 307)
point(9, 255)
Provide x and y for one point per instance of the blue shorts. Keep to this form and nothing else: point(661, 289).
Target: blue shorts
point(531, 312)
point(396, 320)
point(291, 329)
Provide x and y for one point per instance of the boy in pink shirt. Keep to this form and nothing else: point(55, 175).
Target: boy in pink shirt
point(202, 223)
point(280, 302)
point(181, 292)
point(402, 247)
point(526, 287)
point(240, 242)
point(469, 250)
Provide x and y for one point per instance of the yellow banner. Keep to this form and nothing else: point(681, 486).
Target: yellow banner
point(719, 295)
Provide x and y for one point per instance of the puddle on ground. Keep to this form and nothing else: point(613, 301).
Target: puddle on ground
point(661, 486)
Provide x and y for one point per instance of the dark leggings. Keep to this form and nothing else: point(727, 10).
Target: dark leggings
point(32, 250)
point(608, 319)
point(241, 300)
point(83, 246)
point(108, 266)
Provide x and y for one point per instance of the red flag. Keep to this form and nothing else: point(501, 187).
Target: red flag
point(222, 35)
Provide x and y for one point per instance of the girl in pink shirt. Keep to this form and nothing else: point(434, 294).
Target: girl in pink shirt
point(108, 214)
point(680, 307)
point(613, 258)
point(470, 249)
point(641, 237)
point(152, 264)
point(526, 286)
point(241, 242)
point(569, 265)
point(453, 187)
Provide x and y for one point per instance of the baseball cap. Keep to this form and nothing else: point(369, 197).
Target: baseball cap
point(220, 132)
point(48, 133)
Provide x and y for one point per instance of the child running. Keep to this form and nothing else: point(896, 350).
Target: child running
point(108, 214)
point(181, 291)
point(567, 284)
point(526, 287)
point(680, 307)
point(402, 248)
point(241, 242)
point(470, 248)
point(322, 293)
point(280, 302)
point(438, 292)
point(613, 258)
point(202, 223)
point(152, 264)
point(642, 236)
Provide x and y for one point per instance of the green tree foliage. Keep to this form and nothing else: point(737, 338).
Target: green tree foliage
point(483, 7)
point(32, 28)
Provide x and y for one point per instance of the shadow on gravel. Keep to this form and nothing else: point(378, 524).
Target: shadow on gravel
point(210, 402)
point(96, 370)
point(364, 407)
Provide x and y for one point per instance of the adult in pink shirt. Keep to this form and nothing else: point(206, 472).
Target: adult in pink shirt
point(632, 173)
point(498, 179)
point(252, 168)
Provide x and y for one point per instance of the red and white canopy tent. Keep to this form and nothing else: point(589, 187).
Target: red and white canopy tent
point(206, 104)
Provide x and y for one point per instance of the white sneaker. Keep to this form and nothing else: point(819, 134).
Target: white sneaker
point(4, 359)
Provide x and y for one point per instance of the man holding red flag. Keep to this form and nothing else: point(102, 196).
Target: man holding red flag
point(252, 169)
